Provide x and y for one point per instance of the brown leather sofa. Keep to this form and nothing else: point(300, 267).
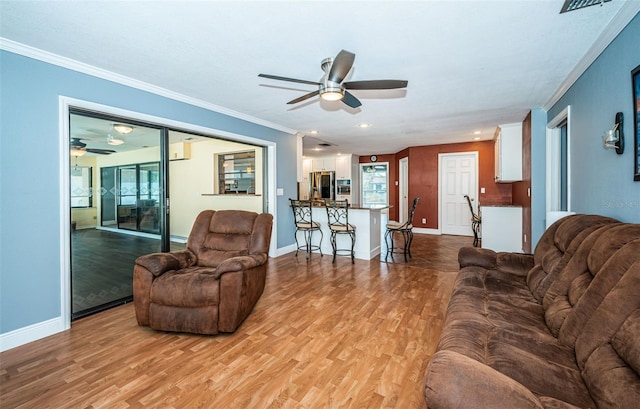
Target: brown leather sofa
point(556, 329)
point(213, 285)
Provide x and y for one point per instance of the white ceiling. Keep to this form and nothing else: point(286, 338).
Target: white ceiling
point(471, 65)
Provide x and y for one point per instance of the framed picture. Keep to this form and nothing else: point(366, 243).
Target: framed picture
point(635, 80)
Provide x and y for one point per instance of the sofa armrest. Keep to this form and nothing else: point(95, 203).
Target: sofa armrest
point(515, 263)
point(159, 263)
point(457, 381)
point(475, 256)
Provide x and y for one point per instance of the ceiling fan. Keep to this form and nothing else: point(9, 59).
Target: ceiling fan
point(79, 148)
point(331, 86)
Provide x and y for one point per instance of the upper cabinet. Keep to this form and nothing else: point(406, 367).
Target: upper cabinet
point(307, 168)
point(180, 151)
point(508, 153)
point(343, 167)
point(324, 164)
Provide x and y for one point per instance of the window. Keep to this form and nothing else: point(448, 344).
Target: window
point(374, 178)
point(81, 187)
point(237, 172)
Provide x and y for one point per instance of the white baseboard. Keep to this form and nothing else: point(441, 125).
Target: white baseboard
point(421, 230)
point(285, 250)
point(31, 333)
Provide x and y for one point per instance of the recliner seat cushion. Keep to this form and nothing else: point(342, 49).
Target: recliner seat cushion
point(203, 285)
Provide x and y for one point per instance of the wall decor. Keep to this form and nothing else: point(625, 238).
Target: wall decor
point(635, 80)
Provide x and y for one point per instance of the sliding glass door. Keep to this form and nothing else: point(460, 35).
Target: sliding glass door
point(122, 173)
point(124, 218)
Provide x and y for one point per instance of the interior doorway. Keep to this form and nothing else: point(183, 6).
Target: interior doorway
point(458, 177)
point(558, 169)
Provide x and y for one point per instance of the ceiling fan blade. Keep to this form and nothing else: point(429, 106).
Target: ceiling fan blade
point(305, 96)
point(350, 100)
point(376, 84)
point(341, 66)
point(100, 151)
point(77, 143)
point(276, 77)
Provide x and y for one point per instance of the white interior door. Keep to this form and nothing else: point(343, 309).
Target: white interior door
point(403, 211)
point(458, 177)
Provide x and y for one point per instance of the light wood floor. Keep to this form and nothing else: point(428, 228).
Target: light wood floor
point(321, 336)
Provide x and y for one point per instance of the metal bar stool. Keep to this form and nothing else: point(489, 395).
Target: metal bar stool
point(338, 219)
point(475, 222)
point(304, 223)
point(405, 229)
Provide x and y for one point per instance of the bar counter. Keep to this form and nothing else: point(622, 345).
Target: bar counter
point(368, 221)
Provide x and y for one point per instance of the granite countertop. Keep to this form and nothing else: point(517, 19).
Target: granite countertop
point(499, 205)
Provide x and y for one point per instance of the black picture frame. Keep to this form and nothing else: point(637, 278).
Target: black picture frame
point(635, 81)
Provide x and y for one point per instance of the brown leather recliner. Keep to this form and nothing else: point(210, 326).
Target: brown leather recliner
point(213, 285)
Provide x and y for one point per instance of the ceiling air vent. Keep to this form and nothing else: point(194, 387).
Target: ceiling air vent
point(570, 5)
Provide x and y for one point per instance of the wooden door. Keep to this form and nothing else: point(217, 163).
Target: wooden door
point(458, 177)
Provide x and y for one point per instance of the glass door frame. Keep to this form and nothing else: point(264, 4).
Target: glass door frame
point(67, 104)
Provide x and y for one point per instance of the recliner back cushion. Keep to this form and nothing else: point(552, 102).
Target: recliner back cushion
point(219, 235)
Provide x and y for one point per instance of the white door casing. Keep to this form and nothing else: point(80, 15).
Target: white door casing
point(403, 211)
point(458, 176)
point(554, 210)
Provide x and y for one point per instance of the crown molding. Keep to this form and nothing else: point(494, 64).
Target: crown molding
point(626, 13)
point(45, 56)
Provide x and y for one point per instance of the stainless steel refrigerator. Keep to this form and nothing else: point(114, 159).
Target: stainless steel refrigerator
point(322, 185)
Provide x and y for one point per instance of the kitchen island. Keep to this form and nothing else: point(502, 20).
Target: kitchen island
point(368, 221)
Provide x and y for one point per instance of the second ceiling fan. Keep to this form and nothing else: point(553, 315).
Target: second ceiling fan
point(331, 86)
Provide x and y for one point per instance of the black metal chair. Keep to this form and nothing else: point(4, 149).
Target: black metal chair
point(475, 222)
point(338, 219)
point(303, 219)
point(405, 229)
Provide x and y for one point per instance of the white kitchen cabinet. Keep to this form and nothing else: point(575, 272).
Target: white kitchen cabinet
point(502, 228)
point(324, 164)
point(307, 167)
point(180, 151)
point(508, 153)
point(343, 167)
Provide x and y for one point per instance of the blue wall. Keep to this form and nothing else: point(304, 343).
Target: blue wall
point(29, 174)
point(601, 181)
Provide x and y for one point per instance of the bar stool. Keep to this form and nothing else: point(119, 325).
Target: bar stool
point(406, 229)
point(303, 219)
point(475, 222)
point(338, 219)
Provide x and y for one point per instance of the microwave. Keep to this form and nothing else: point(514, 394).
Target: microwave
point(343, 187)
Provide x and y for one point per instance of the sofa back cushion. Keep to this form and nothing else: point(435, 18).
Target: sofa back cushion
point(607, 349)
point(557, 246)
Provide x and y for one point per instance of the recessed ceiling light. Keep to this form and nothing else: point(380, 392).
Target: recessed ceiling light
point(314, 132)
point(364, 125)
point(477, 138)
point(477, 132)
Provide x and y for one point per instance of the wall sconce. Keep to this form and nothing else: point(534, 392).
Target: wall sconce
point(614, 138)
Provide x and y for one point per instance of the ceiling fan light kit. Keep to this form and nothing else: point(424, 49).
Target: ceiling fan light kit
point(114, 141)
point(122, 129)
point(331, 86)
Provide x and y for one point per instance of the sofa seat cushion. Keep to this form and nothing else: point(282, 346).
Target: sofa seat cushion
point(203, 284)
point(493, 318)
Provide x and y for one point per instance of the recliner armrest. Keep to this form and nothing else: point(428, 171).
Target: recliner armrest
point(159, 263)
point(456, 381)
point(241, 263)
